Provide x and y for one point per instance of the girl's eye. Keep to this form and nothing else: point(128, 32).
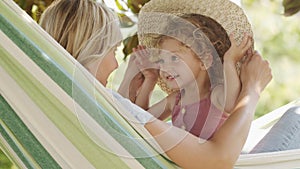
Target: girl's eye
point(160, 61)
point(174, 58)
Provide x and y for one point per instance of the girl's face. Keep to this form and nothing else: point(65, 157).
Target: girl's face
point(103, 67)
point(179, 66)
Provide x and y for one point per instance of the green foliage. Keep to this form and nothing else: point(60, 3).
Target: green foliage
point(136, 5)
point(129, 43)
point(133, 7)
point(291, 7)
point(34, 8)
point(276, 38)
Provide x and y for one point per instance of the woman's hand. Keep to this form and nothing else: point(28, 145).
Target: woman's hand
point(256, 73)
point(236, 51)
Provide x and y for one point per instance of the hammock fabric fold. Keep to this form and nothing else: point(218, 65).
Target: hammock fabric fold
point(54, 114)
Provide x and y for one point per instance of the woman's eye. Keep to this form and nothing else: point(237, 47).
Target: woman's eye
point(174, 58)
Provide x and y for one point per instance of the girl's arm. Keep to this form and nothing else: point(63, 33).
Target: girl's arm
point(223, 149)
point(228, 94)
point(150, 73)
point(144, 94)
point(132, 81)
point(140, 78)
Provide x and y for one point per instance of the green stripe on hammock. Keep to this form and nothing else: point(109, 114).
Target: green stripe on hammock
point(24, 138)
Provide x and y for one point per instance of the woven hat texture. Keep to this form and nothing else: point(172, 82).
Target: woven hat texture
point(228, 14)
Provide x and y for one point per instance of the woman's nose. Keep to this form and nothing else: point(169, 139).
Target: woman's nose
point(115, 64)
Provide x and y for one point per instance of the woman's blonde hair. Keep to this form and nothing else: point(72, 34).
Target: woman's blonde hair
point(85, 28)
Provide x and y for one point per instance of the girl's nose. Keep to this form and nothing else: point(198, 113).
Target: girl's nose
point(167, 68)
point(167, 65)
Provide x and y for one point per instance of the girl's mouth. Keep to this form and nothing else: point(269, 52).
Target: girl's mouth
point(172, 77)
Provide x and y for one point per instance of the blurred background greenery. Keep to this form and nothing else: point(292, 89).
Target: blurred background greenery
point(276, 33)
point(277, 36)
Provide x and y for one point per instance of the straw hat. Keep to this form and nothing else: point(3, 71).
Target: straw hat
point(155, 13)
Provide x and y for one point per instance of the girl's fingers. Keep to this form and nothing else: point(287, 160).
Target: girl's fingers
point(142, 59)
point(145, 51)
point(133, 56)
point(133, 51)
point(141, 51)
point(138, 51)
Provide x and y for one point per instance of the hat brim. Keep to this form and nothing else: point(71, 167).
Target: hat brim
point(226, 13)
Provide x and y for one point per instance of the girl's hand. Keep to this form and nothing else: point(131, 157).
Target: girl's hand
point(132, 81)
point(150, 70)
point(236, 52)
point(135, 86)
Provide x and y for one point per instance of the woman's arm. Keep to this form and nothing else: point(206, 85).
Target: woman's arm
point(232, 86)
point(219, 152)
point(232, 83)
point(223, 149)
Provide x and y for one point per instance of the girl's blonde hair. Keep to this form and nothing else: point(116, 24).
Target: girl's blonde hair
point(85, 28)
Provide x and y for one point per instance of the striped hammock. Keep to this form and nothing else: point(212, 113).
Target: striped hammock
point(54, 114)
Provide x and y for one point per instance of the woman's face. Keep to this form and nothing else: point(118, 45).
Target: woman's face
point(104, 66)
point(179, 65)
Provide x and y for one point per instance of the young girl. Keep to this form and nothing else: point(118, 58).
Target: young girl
point(193, 48)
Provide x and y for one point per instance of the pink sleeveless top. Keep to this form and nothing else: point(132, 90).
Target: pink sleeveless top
point(201, 118)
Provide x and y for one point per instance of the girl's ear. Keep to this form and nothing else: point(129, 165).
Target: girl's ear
point(206, 61)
